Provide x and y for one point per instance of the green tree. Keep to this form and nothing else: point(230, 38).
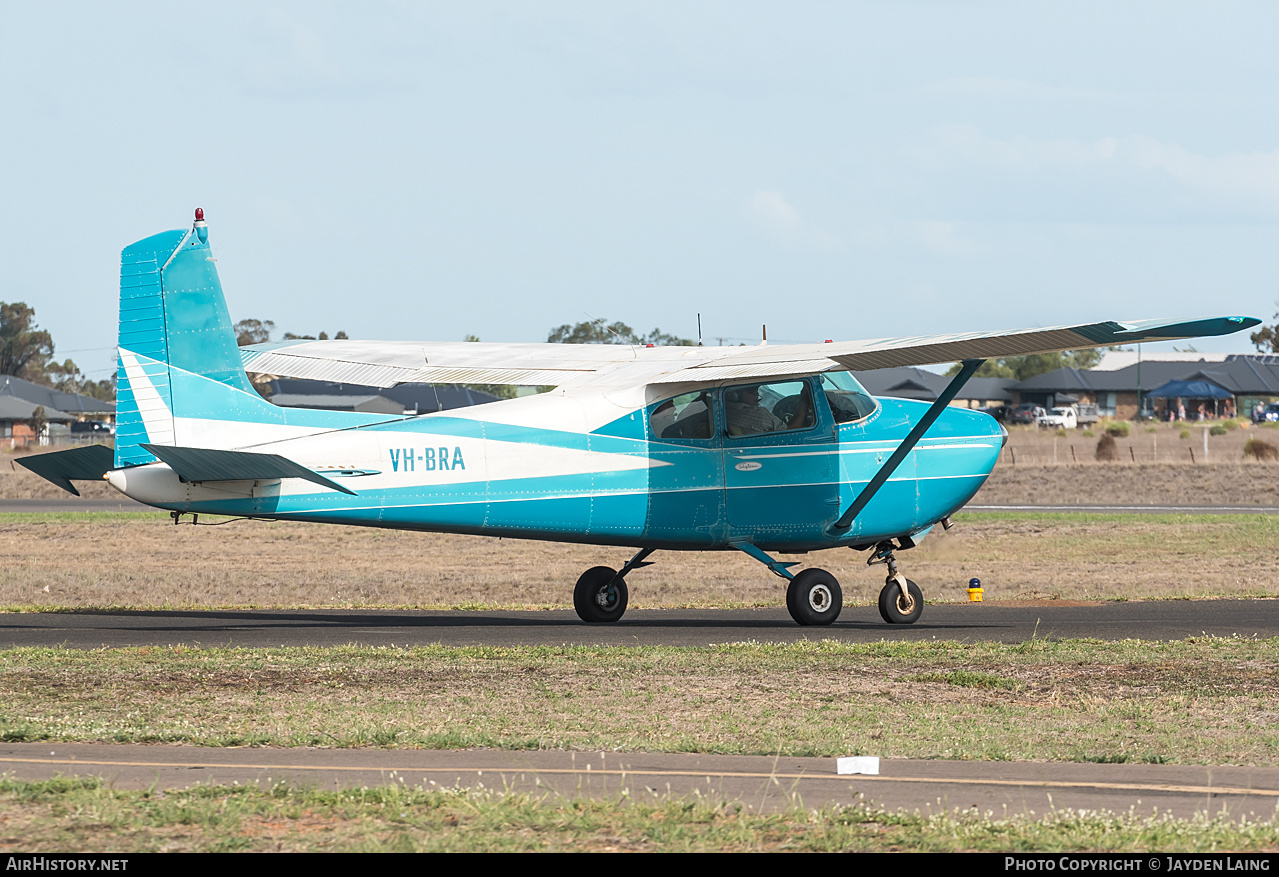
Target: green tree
point(323, 336)
point(253, 332)
point(596, 332)
point(1024, 367)
point(39, 420)
point(67, 377)
point(1266, 339)
point(25, 350)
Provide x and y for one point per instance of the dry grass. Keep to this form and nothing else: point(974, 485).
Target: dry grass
point(60, 815)
point(1143, 443)
point(1203, 700)
point(143, 561)
point(1128, 483)
point(1260, 450)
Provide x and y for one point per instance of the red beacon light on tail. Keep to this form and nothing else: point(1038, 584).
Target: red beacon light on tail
point(201, 229)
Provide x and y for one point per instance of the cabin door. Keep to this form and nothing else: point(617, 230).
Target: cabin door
point(780, 462)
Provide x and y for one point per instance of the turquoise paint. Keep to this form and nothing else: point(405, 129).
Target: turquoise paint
point(692, 495)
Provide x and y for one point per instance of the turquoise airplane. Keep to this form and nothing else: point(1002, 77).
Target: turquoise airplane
point(764, 450)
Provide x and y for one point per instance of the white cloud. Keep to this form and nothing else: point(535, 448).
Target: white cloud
point(1250, 176)
point(1016, 89)
point(772, 214)
point(289, 58)
point(942, 239)
point(1241, 179)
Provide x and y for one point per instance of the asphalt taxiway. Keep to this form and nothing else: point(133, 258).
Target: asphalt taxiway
point(996, 622)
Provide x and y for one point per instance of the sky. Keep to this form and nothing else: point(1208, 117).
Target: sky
point(839, 170)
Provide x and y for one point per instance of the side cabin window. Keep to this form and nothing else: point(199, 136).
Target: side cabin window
point(759, 409)
point(690, 416)
point(848, 400)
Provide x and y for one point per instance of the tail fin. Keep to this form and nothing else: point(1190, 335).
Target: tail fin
point(178, 355)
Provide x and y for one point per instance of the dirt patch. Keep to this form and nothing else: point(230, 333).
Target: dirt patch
point(1126, 483)
point(144, 561)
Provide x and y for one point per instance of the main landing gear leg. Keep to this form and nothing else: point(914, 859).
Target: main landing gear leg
point(901, 601)
point(600, 594)
point(813, 597)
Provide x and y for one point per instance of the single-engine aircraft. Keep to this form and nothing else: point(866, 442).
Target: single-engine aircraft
point(765, 450)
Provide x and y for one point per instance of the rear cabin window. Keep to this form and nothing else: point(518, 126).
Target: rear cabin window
point(690, 416)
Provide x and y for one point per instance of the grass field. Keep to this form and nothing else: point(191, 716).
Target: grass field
point(1201, 701)
point(66, 815)
point(1207, 700)
point(143, 561)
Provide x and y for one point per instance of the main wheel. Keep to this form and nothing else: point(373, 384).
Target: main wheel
point(814, 598)
point(898, 608)
point(597, 597)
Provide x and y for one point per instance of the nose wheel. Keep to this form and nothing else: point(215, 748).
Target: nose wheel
point(901, 601)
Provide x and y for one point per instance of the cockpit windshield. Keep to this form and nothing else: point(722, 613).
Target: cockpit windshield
point(848, 400)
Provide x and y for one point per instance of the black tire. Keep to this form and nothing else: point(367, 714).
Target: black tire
point(814, 598)
point(891, 605)
point(596, 582)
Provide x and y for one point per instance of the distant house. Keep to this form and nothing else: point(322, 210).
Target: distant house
point(926, 386)
point(20, 400)
point(1248, 378)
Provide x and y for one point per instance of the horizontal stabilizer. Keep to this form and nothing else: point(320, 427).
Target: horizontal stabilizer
point(206, 464)
point(83, 464)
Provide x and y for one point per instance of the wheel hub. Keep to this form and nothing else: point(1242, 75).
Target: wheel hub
point(819, 598)
point(606, 597)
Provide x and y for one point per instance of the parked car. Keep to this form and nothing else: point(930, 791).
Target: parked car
point(1269, 414)
point(1026, 413)
point(1058, 418)
point(92, 427)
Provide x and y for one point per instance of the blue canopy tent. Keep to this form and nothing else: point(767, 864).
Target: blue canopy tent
point(1191, 390)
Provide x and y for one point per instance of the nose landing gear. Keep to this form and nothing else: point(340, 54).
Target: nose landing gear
point(900, 601)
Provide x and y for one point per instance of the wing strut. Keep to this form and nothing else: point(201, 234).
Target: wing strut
point(868, 492)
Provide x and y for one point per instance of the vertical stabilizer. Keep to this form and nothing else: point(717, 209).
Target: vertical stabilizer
point(178, 356)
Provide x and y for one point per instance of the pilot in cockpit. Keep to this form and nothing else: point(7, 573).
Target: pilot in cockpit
point(746, 416)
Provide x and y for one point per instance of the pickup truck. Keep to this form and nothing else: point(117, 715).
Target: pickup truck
point(1058, 418)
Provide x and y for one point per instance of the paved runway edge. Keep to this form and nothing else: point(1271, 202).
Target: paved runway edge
point(759, 781)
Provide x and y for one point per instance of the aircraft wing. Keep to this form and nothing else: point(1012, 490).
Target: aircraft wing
point(931, 349)
point(386, 363)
